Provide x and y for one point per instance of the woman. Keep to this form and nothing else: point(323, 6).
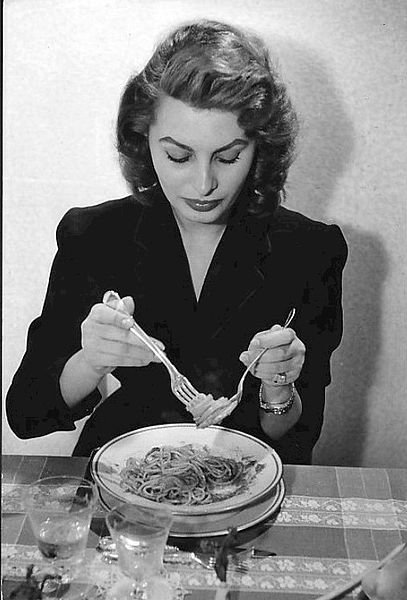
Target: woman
point(203, 254)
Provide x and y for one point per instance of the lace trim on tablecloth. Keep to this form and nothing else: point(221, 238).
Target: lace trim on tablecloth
point(293, 574)
point(342, 513)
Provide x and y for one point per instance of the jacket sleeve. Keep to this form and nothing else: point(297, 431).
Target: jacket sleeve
point(34, 403)
point(319, 324)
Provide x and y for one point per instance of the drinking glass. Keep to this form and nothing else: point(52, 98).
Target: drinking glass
point(60, 511)
point(140, 535)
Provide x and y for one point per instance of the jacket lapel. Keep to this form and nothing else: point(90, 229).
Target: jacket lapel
point(248, 260)
point(235, 274)
point(159, 273)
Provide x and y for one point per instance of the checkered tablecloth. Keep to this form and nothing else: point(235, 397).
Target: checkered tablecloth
point(333, 524)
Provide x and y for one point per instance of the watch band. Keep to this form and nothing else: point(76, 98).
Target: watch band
point(277, 409)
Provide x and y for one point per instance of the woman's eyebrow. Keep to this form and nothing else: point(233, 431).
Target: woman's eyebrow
point(235, 142)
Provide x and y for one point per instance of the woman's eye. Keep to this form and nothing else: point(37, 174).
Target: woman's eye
point(176, 159)
point(229, 161)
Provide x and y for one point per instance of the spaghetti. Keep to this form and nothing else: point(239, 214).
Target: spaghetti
point(187, 475)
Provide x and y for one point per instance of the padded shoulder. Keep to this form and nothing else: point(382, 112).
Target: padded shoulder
point(104, 220)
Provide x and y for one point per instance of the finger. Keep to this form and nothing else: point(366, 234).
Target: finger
point(270, 339)
point(273, 355)
point(113, 361)
point(273, 339)
point(111, 299)
point(269, 377)
point(124, 335)
point(128, 303)
point(104, 314)
point(290, 377)
point(121, 351)
point(104, 331)
point(122, 306)
point(277, 367)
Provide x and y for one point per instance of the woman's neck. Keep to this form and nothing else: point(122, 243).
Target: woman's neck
point(200, 233)
point(200, 242)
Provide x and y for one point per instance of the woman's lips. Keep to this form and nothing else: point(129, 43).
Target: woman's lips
point(202, 205)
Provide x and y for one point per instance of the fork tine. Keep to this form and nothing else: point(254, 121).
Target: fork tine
point(184, 399)
point(190, 387)
point(186, 391)
point(239, 566)
point(186, 394)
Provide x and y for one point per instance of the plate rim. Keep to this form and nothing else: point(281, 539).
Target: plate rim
point(275, 504)
point(175, 508)
point(273, 507)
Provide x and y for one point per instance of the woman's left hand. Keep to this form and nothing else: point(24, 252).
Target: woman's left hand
point(285, 355)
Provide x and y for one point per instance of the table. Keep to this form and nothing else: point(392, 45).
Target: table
point(333, 524)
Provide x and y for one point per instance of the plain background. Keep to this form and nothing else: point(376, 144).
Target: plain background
point(345, 63)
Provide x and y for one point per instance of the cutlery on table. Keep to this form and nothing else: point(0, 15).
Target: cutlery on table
point(180, 385)
point(354, 583)
point(172, 554)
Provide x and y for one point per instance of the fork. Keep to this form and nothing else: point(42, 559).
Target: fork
point(180, 385)
point(235, 399)
point(238, 396)
point(238, 565)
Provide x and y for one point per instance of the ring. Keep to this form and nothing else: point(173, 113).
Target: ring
point(280, 378)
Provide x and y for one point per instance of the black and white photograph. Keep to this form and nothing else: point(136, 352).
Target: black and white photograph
point(204, 296)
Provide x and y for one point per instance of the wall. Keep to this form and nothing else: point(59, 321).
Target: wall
point(345, 62)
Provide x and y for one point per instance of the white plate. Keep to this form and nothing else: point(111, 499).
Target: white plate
point(111, 458)
point(247, 517)
point(206, 526)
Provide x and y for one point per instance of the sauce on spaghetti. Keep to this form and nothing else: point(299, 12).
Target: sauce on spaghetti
point(187, 475)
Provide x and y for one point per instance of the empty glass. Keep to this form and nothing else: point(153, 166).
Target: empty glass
point(60, 511)
point(140, 535)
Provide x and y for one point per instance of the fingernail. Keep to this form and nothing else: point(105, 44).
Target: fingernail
point(128, 322)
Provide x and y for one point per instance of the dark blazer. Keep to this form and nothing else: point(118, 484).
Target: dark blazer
point(262, 267)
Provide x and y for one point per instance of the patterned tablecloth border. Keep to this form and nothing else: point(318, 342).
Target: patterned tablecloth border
point(312, 511)
point(305, 575)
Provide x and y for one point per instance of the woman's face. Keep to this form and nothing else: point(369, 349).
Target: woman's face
point(201, 157)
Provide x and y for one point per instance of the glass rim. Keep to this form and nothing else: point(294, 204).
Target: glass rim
point(40, 480)
point(61, 480)
point(162, 510)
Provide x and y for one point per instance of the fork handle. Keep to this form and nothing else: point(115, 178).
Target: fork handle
point(142, 335)
point(139, 332)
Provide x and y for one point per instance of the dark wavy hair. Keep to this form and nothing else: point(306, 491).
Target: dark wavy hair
point(211, 65)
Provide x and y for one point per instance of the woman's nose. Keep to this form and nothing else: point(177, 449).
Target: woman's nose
point(205, 182)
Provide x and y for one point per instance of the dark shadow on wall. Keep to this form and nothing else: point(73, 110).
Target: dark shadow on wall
point(354, 363)
point(324, 155)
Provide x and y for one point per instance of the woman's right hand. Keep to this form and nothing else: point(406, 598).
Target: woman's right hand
point(107, 342)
